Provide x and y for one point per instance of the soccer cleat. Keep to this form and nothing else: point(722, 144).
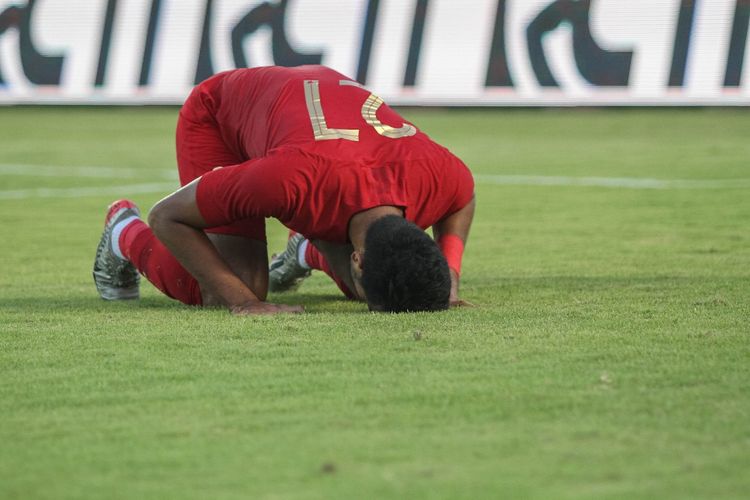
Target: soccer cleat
point(115, 278)
point(285, 272)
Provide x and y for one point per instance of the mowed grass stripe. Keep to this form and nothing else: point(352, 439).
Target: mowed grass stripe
point(512, 180)
point(612, 182)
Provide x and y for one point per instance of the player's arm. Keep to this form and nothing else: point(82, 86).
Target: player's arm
point(178, 224)
point(451, 234)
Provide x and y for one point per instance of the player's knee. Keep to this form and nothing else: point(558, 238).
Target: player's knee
point(157, 216)
point(162, 215)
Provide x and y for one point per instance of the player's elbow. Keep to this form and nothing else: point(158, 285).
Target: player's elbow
point(161, 217)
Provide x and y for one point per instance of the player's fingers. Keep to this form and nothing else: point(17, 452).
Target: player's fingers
point(266, 308)
point(291, 309)
point(282, 310)
point(461, 303)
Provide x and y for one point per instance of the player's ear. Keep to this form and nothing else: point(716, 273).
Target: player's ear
point(357, 259)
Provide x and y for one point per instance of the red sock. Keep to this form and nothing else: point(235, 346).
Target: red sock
point(153, 260)
point(316, 260)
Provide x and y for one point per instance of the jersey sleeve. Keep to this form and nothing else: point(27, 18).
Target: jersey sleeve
point(266, 187)
point(464, 182)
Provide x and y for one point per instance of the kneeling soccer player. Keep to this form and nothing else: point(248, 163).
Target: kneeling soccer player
point(328, 159)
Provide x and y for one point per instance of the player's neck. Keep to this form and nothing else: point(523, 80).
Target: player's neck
point(360, 222)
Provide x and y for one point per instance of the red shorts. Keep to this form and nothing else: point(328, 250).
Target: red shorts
point(200, 149)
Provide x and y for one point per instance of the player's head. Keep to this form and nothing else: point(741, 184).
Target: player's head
point(402, 268)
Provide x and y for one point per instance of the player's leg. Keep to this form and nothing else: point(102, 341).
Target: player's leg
point(128, 246)
point(200, 148)
point(138, 245)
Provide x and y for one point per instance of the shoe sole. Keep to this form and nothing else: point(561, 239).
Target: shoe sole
point(107, 292)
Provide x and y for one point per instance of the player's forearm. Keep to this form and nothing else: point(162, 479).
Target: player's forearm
point(457, 224)
point(451, 234)
point(198, 256)
point(178, 224)
point(454, 286)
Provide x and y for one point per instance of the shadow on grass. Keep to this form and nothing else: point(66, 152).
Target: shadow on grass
point(572, 283)
point(313, 303)
point(485, 292)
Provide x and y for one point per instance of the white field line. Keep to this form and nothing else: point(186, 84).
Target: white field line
point(89, 171)
point(108, 172)
point(124, 190)
point(100, 172)
point(611, 182)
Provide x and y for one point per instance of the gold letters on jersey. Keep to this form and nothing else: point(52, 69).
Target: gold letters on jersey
point(369, 111)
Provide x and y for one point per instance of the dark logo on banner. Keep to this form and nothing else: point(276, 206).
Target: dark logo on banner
point(40, 69)
point(596, 65)
point(264, 15)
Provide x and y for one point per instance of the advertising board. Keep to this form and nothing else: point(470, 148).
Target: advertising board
point(411, 52)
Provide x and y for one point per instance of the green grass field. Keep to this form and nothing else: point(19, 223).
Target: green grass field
point(608, 357)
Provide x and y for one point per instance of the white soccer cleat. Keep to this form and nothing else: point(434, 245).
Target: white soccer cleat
point(285, 272)
point(115, 278)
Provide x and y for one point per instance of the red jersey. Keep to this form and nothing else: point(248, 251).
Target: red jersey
point(319, 149)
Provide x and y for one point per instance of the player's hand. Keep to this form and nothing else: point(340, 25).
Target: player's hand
point(456, 302)
point(253, 308)
point(454, 299)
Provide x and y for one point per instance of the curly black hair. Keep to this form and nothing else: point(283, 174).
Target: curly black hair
point(403, 268)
